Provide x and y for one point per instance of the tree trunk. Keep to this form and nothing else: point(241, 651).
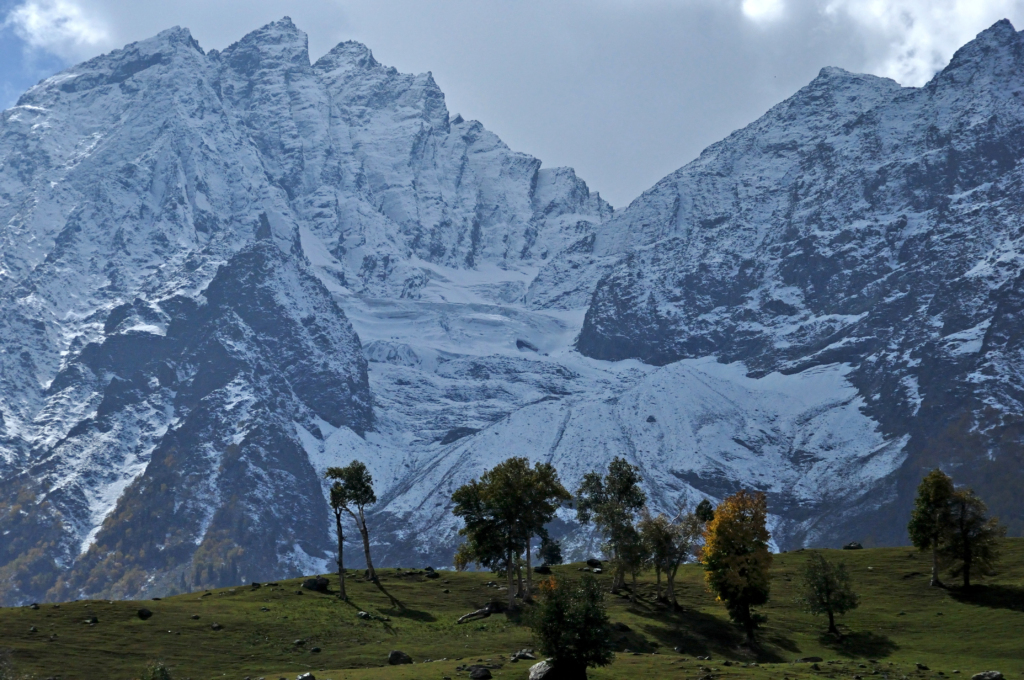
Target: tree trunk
point(670, 586)
point(366, 545)
point(967, 569)
point(341, 556)
point(529, 571)
point(832, 624)
point(511, 590)
point(632, 590)
point(520, 590)
point(657, 571)
point(935, 563)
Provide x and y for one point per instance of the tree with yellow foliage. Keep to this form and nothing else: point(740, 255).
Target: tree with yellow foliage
point(736, 557)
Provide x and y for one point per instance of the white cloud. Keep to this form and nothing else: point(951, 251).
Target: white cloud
point(60, 27)
point(918, 37)
point(763, 10)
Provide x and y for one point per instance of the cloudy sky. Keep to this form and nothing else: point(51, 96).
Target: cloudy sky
point(625, 91)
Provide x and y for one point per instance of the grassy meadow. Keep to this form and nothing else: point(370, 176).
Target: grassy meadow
point(901, 622)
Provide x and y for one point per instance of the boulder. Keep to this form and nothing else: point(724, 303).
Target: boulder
point(987, 675)
point(315, 650)
point(305, 676)
point(144, 614)
point(318, 584)
point(432, 574)
point(480, 673)
point(853, 545)
point(594, 563)
point(216, 626)
point(544, 670)
point(542, 569)
point(397, 658)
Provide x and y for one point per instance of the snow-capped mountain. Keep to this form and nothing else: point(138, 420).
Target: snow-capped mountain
point(223, 272)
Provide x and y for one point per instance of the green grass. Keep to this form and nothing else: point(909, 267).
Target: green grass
point(901, 622)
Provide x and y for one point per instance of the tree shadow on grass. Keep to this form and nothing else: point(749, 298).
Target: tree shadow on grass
point(696, 633)
point(859, 644)
point(996, 597)
point(410, 614)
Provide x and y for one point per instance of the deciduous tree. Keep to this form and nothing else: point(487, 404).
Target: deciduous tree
point(571, 627)
point(827, 589)
point(737, 559)
point(612, 502)
point(931, 519)
point(971, 542)
point(354, 495)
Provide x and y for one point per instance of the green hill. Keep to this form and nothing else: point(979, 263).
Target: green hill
point(901, 622)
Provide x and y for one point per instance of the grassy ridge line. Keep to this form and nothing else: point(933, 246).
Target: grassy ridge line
point(901, 621)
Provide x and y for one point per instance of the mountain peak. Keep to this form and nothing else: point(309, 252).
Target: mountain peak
point(348, 55)
point(997, 49)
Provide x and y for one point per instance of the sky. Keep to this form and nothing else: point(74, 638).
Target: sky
point(624, 91)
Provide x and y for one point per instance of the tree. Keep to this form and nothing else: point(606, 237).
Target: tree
point(550, 551)
point(737, 559)
point(612, 503)
point(827, 590)
point(970, 545)
point(571, 627)
point(704, 511)
point(669, 544)
point(511, 503)
point(338, 502)
point(355, 489)
point(931, 519)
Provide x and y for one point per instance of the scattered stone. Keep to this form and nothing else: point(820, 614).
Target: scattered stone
point(299, 642)
point(91, 620)
point(305, 676)
point(397, 658)
point(144, 614)
point(315, 650)
point(256, 585)
point(480, 673)
point(429, 569)
point(195, 617)
point(156, 599)
point(810, 659)
point(987, 675)
point(446, 591)
point(922, 667)
point(33, 606)
point(597, 570)
point(853, 545)
point(652, 419)
point(264, 609)
point(364, 615)
point(216, 626)
point(33, 629)
point(432, 574)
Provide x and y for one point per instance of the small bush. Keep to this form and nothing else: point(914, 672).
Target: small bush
point(157, 671)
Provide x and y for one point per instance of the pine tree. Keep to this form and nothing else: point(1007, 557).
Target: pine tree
point(355, 490)
point(931, 518)
point(971, 541)
point(827, 590)
point(612, 503)
point(736, 557)
point(550, 551)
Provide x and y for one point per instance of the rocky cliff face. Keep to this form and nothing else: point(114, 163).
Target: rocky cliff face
point(858, 223)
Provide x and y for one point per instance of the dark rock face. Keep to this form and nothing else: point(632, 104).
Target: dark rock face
point(860, 223)
point(267, 351)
